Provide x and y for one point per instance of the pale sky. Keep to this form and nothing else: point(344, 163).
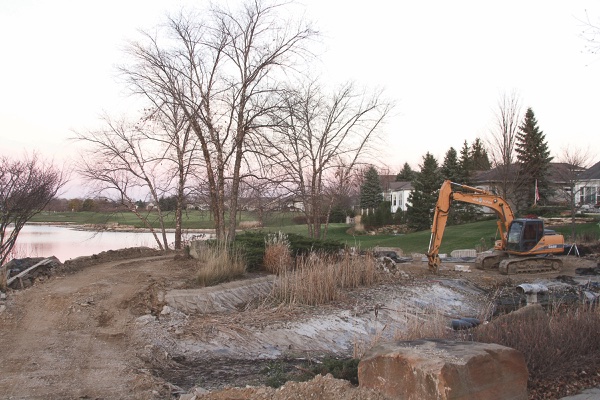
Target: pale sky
point(445, 64)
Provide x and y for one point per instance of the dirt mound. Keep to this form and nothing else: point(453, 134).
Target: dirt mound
point(79, 263)
point(320, 387)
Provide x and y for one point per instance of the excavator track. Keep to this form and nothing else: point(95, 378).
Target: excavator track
point(487, 261)
point(530, 265)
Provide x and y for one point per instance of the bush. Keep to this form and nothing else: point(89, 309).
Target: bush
point(380, 217)
point(338, 215)
point(563, 341)
point(555, 343)
point(252, 246)
point(543, 211)
point(346, 368)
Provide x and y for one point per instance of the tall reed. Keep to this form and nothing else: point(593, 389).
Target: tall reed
point(219, 261)
point(320, 279)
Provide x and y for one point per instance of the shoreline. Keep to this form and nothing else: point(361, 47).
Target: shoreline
point(115, 227)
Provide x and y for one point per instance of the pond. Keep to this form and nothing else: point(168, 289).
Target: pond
point(65, 242)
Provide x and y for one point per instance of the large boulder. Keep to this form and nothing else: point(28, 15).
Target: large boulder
point(444, 370)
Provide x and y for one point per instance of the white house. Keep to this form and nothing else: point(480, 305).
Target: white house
point(588, 186)
point(397, 194)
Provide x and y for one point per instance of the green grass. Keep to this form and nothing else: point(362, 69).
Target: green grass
point(456, 237)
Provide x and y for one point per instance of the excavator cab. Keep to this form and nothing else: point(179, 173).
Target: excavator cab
point(524, 235)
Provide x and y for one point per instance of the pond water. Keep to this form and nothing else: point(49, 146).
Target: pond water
point(65, 243)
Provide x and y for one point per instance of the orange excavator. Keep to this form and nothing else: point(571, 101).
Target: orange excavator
point(525, 246)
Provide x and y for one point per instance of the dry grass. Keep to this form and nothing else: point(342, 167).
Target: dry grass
point(219, 262)
point(320, 279)
point(564, 340)
point(427, 323)
point(557, 342)
point(250, 224)
point(278, 257)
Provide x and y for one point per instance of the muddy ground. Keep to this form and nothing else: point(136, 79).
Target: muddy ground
point(100, 329)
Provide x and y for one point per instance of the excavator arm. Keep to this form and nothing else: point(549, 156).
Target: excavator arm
point(450, 191)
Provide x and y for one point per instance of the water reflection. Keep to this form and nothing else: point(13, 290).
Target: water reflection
point(66, 243)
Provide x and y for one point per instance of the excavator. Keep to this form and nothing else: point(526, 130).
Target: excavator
point(525, 246)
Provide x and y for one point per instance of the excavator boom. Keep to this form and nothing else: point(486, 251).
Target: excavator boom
point(450, 191)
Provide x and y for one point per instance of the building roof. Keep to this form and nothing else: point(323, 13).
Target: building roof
point(591, 173)
point(557, 173)
point(398, 186)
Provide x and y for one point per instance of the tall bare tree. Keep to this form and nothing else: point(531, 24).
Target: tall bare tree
point(573, 161)
point(122, 159)
point(26, 187)
point(222, 71)
point(316, 134)
point(502, 141)
point(179, 155)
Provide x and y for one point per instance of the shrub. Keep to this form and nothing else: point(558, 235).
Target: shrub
point(558, 342)
point(339, 214)
point(380, 217)
point(346, 368)
point(252, 246)
point(555, 344)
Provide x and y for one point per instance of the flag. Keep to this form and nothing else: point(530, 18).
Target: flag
point(536, 197)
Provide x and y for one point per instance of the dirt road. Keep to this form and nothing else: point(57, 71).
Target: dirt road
point(70, 336)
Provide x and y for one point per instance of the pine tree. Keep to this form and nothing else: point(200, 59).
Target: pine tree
point(424, 195)
point(465, 165)
point(464, 212)
point(371, 192)
point(533, 156)
point(479, 156)
point(450, 168)
point(406, 175)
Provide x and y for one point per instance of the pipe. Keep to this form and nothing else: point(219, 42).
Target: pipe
point(531, 290)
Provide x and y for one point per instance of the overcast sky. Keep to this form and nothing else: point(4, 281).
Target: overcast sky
point(445, 64)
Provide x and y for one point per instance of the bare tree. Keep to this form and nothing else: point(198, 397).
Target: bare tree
point(179, 154)
point(591, 34)
point(502, 142)
point(316, 134)
point(119, 159)
point(573, 161)
point(222, 71)
point(339, 188)
point(26, 187)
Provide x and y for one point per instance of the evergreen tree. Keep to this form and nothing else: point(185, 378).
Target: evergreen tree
point(424, 196)
point(465, 165)
point(533, 157)
point(371, 192)
point(464, 212)
point(479, 156)
point(406, 175)
point(450, 167)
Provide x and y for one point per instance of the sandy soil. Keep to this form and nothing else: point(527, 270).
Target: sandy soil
point(98, 332)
